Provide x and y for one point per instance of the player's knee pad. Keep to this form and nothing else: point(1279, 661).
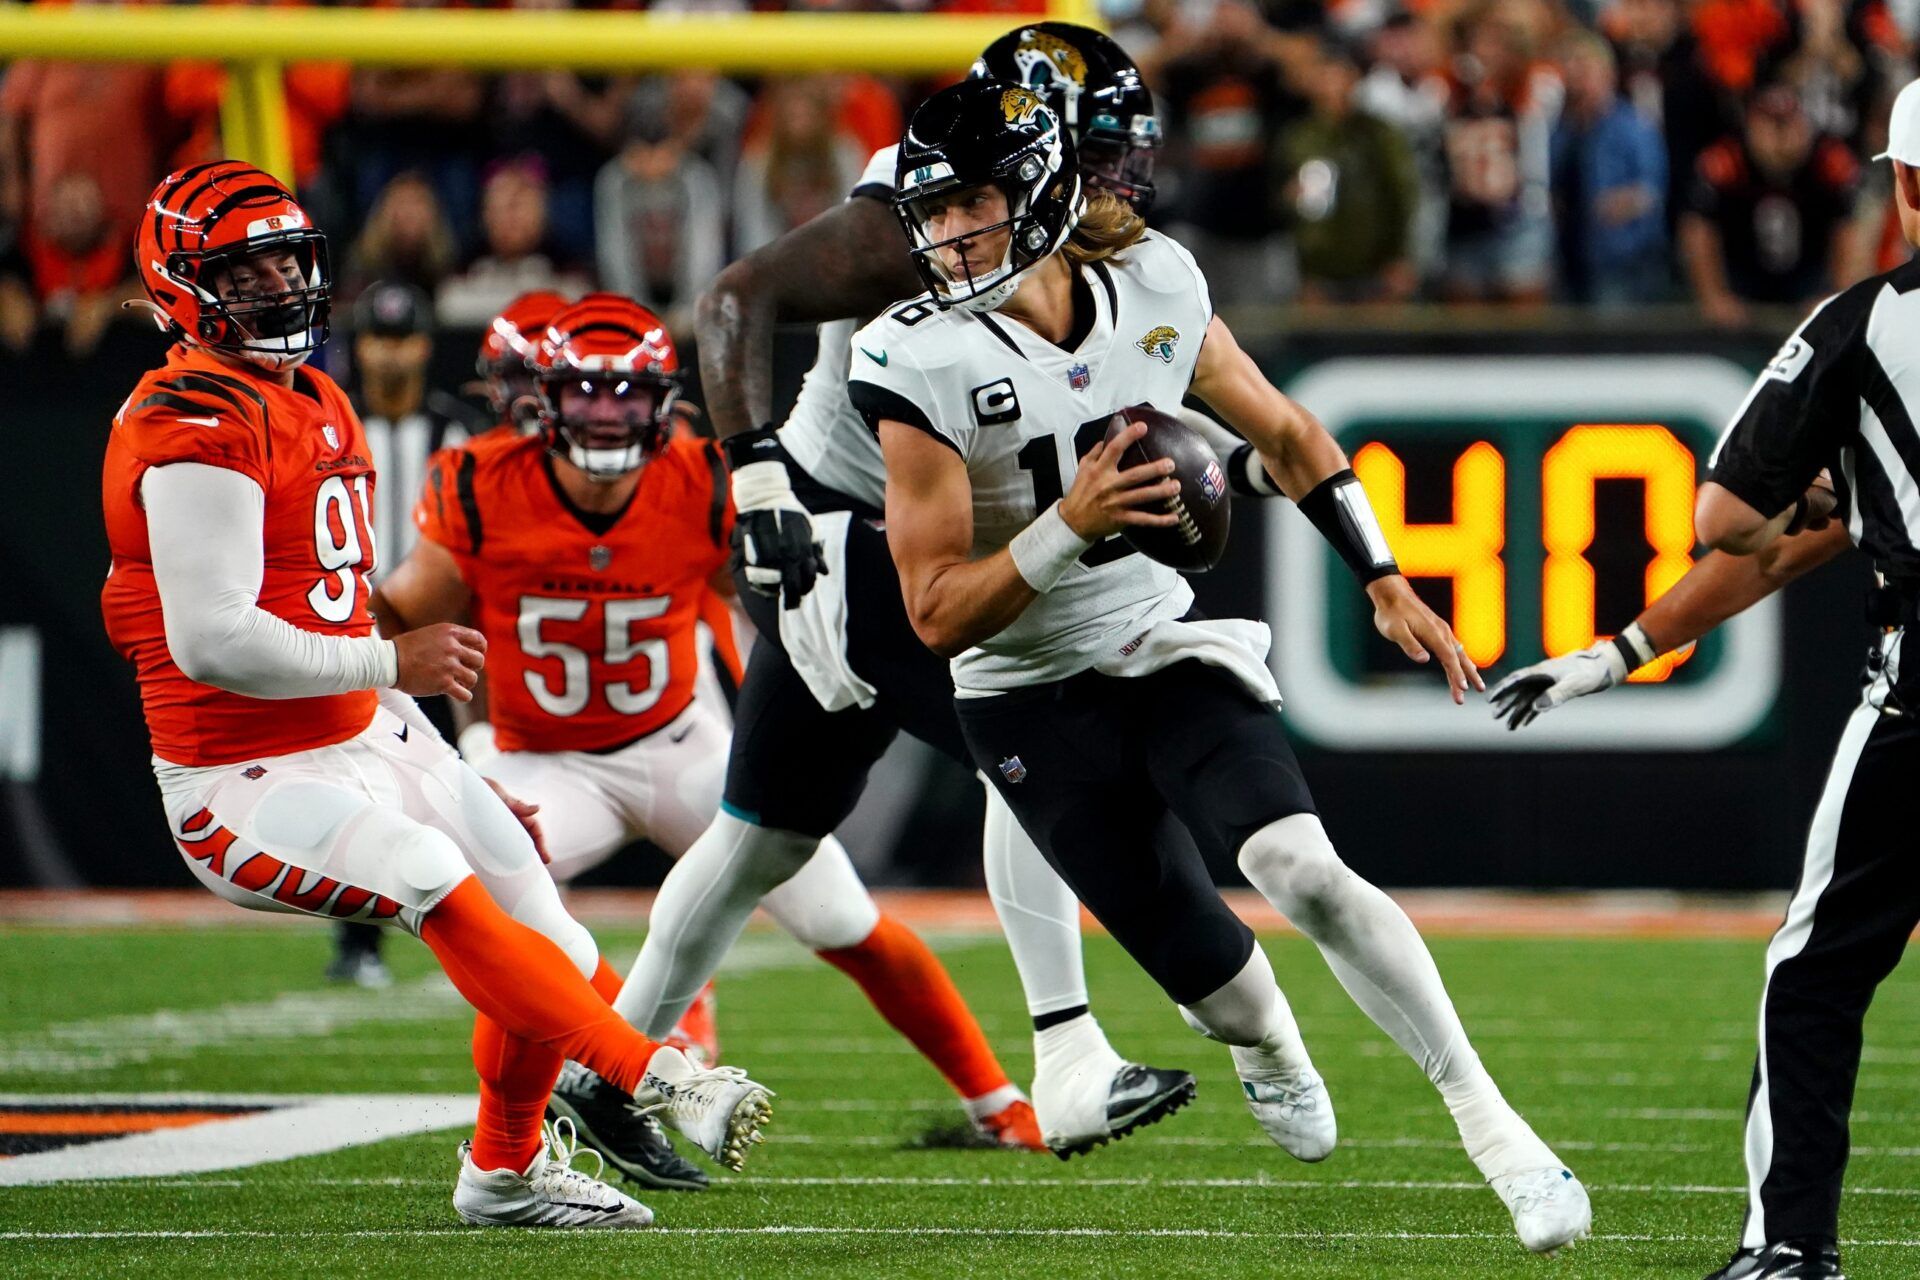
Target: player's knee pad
point(427, 861)
point(824, 905)
point(545, 915)
point(1293, 862)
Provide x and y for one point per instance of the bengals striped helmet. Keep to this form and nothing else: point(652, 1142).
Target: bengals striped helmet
point(230, 261)
point(507, 349)
point(607, 375)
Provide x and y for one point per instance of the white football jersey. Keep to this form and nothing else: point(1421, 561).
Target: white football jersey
point(823, 433)
point(1020, 412)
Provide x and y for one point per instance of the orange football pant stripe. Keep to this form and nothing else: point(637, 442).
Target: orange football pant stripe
point(911, 989)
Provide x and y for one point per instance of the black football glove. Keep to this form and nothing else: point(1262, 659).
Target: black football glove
point(773, 543)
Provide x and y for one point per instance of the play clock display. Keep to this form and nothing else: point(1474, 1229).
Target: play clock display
point(1538, 504)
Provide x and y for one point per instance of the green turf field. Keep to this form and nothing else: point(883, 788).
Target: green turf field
point(1630, 1056)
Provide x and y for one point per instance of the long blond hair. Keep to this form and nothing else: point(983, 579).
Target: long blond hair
point(1107, 229)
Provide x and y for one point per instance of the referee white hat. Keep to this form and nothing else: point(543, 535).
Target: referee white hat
point(1903, 128)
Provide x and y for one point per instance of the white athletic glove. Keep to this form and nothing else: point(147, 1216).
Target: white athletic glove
point(773, 543)
point(1533, 691)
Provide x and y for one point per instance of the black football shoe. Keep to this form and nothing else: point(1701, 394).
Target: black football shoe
point(1785, 1260)
point(634, 1144)
point(1139, 1096)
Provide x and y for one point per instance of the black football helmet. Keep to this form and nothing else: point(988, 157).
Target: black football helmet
point(982, 133)
point(1096, 90)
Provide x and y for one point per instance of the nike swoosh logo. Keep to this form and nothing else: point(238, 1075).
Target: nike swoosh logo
point(405, 729)
point(214, 422)
point(680, 736)
point(880, 359)
point(592, 1208)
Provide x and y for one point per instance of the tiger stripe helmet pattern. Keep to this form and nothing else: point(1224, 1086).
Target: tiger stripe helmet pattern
point(231, 262)
point(507, 351)
point(607, 343)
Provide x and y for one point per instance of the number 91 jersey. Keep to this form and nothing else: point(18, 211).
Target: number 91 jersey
point(1021, 412)
point(304, 447)
point(589, 619)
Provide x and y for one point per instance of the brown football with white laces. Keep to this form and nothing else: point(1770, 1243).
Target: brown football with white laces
point(1202, 506)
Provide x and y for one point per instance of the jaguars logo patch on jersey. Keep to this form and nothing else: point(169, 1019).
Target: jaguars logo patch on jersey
point(1159, 342)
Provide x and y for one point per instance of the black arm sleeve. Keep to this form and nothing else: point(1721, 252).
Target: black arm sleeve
point(1800, 411)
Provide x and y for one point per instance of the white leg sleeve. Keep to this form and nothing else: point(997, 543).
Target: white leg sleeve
point(1249, 1012)
point(1378, 956)
point(824, 906)
point(703, 905)
point(1037, 911)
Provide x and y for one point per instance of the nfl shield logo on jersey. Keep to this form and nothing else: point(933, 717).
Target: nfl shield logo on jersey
point(1012, 770)
point(333, 437)
point(599, 557)
point(1078, 378)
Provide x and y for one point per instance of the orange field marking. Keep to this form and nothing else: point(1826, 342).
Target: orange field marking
point(103, 1121)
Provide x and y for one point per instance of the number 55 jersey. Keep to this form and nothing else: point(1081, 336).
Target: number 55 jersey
point(590, 619)
point(303, 445)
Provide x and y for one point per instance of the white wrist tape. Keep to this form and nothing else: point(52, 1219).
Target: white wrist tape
point(387, 658)
point(1046, 549)
point(1638, 646)
point(763, 486)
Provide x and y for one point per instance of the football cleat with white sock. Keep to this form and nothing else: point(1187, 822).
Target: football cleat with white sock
point(1549, 1206)
point(1291, 1103)
point(719, 1110)
point(1076, 1115)
point(549, 1192)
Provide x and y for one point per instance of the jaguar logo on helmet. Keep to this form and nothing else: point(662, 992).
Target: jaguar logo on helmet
point(1020, 105)
point(1159, 342)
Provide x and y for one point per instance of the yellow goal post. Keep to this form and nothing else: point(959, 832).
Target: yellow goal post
point(255, 43)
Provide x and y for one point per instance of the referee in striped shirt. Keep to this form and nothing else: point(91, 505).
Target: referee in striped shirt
point(1843, 397)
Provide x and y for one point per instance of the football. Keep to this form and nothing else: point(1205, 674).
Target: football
point(1202, 505)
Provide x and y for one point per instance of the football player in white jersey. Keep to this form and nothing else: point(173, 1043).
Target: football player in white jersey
point(1088, 692)
point(838, 670)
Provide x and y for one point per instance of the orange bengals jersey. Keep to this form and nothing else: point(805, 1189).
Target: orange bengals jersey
point(590, 634)
point(304, 447)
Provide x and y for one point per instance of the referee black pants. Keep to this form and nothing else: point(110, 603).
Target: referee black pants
point(1857, 903)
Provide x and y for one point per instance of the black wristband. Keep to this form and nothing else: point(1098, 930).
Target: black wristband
point(1339, 509)
point(762, 444)
point(1247, 475)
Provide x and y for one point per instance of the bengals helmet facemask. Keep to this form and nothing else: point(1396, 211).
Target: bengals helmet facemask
point(230, 261)
point(1096, 90)
point(975, 134)
point(507, 351)
point(617, 357)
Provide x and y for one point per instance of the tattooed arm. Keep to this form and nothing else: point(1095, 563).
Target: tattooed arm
point(845, 264)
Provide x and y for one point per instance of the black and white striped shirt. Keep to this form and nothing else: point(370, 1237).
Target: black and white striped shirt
point(1843, 394)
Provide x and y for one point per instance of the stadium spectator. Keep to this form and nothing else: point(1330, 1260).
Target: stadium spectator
point(1609, 184)
point(1769, 212)
point(1499, 122)
point(661, 217)
point(1349, 191)
point(427, 119)
point(1408, 88)
point(572, 123)
point(1225, 95)
point(79, 269)
point(515, 258)
point(107, 121)
point(708, 116)
point(804, 164)
point(1828, 70)
point(1662, 75)
point(406, 238)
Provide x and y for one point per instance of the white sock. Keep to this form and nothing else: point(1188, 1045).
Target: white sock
point(1251, 1013)
point(1038, 912)
point(1378, 956)
point(992, 1103)
point(1074, 1045)
point(703, 905)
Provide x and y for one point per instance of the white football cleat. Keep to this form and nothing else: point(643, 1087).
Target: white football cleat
point(1549, 1206)
point(719, 1110)
point(1291, 1104)
point(550, 1192)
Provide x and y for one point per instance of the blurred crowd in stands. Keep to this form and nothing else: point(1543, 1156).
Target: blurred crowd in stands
point(1612, 153)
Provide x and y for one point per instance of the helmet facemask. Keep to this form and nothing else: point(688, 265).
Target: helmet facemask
point(607, 445)
point(1121, 161)
point(266, 300)
point(1029, 239)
